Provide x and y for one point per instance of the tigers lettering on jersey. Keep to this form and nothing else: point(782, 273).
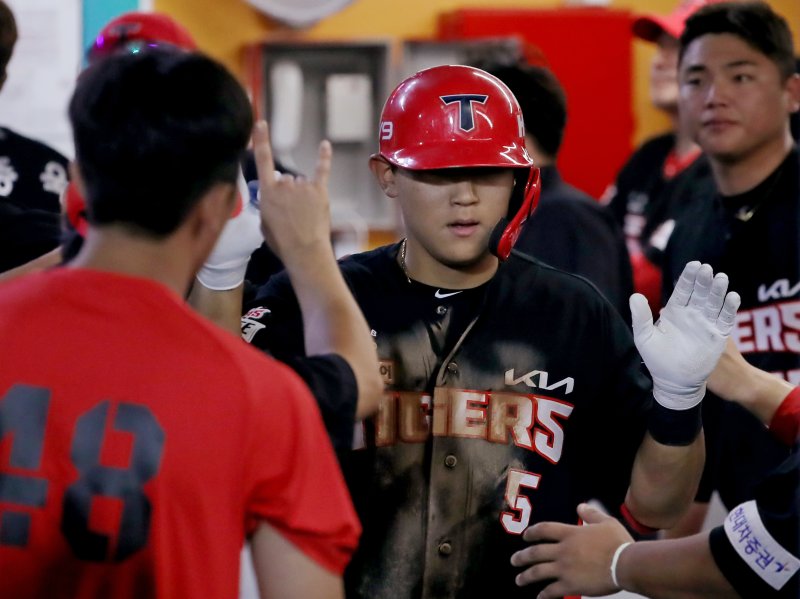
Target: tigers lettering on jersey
point(770, 328)
point(532, 422)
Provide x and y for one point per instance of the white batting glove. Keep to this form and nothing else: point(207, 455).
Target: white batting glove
point(683, 347)
point(226, 266)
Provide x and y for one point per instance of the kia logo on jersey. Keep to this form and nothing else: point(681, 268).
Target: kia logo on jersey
point(466, 115)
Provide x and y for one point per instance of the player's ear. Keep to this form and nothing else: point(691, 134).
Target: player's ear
point(384, 174)
point(212, 211)
point(793, 87)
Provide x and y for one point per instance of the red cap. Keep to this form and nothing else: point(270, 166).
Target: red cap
point(650, 27)
point(141, 27)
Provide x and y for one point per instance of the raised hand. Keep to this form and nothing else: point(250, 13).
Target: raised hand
point(295, 211)
point(683, 346)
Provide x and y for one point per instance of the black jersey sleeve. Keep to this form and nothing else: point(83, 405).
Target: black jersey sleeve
point(26, 234)
point(273, 323)
point(333, 385)
point(756, 548)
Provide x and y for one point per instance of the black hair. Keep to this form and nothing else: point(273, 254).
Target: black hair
point(754, 22)
point(8, 37)
point(542, 100)
point(153, 132)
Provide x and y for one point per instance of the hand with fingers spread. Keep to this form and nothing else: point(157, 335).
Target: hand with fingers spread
point(683, 346)
point(575, 559)
point(295, 211)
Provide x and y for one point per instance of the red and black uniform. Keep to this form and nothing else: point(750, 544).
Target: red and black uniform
point(32, 176)
point(755, 239)
point(506, 405)
point(140, 444)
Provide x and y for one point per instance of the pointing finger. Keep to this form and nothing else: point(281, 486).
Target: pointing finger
point(323, 169)
point(262, 149)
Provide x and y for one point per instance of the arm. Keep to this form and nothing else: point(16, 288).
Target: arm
point(680, 351)
point(580, 559)
point(283, 571)
point(757, 391)
point(296, 224)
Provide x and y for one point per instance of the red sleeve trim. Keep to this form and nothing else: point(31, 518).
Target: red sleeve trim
point(637, 526)
point(785, 424)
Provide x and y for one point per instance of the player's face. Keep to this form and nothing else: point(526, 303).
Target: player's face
point(450, 213)
point(664, 74)
point(732, 98)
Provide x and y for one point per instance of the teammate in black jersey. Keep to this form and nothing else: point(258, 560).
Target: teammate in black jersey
point(738, 90)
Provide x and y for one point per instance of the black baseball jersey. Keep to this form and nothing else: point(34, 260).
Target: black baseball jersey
point(505, 405)
point(32, 177)
point(571, 231)
point(755, 239)
point(758, 546)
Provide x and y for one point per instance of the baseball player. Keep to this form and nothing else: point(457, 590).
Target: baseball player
point(514, 390)
point(641, 194)
point(32, 176)
point(142, 443)
point(754, 553)
point(738, 89)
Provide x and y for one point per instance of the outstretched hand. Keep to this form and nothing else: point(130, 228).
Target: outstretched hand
point(295, 211)
point(683, 346)
point(576, 559)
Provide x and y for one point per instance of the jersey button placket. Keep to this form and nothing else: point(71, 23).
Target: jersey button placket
point(452, 368)
point(441, 310)
point(450, 461)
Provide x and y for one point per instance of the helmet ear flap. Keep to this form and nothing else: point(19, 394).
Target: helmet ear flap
point(507, 230)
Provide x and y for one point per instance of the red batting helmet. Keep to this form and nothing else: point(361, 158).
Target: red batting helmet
point(136, 29)
point(455, 116)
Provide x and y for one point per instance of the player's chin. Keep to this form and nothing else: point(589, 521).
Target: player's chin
point(465, 260)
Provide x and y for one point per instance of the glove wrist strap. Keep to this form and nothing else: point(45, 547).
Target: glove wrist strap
point(675, 427)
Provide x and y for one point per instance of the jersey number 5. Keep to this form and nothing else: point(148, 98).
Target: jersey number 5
point(516, 521)
point(23, 416)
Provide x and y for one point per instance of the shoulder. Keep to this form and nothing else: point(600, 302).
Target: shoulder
point(529, 277)
point(370, 263)
point(12, 142)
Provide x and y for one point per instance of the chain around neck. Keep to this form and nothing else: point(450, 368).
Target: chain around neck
point(403, 259)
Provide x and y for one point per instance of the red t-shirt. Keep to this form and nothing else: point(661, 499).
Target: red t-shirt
point(139, 444)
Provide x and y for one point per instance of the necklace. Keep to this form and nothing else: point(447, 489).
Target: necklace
point(745, 213)
point(403, 259)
